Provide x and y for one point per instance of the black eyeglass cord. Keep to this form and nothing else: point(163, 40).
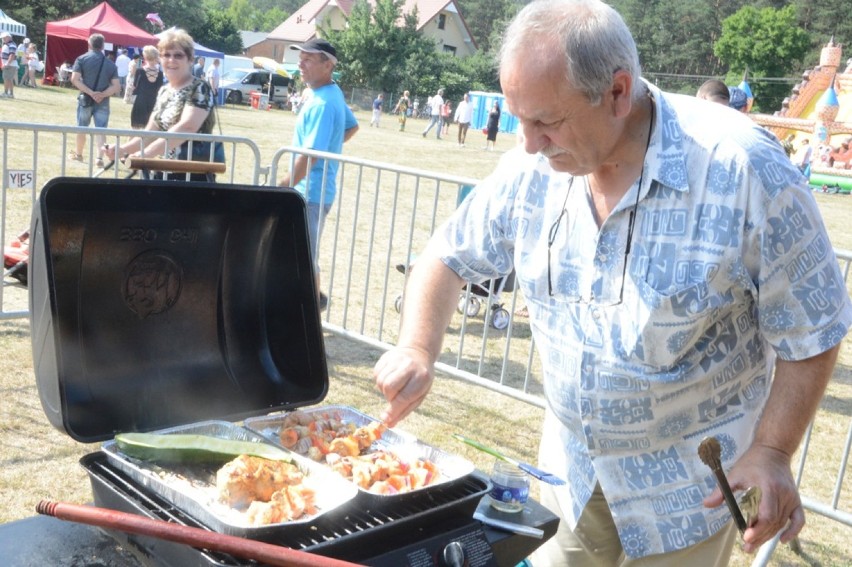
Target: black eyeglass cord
point(630, 223)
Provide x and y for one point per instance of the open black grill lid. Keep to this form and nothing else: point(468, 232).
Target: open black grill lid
point(156, 304)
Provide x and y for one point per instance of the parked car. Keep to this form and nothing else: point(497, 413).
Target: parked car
point(240, 83)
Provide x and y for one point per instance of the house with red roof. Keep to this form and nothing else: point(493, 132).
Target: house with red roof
point(439, 19)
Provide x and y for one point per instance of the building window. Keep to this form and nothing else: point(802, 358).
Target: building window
point(442, 21)
point(450, 49)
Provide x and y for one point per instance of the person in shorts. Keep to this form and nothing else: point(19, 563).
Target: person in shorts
point(96, 76)
point(9, 56)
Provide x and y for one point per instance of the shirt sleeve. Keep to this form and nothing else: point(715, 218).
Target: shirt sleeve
point(803, 305)
point(349, 121)
point(477, 241)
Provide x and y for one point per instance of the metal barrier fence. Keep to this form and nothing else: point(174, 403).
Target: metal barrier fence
point(32, 154)
point(383, 214)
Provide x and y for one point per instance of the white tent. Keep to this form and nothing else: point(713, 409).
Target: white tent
point(11, 26)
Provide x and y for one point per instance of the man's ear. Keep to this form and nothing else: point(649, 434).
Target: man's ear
point(620, 97)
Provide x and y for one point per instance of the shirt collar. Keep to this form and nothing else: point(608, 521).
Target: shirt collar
point(666, 158)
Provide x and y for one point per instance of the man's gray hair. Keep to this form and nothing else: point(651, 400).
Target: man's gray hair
point(592, 37)
point(96, 41)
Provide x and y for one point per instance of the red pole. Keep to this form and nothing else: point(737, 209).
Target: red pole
point(195, 537)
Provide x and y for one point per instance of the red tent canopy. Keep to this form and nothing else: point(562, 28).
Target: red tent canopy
point(67, 39)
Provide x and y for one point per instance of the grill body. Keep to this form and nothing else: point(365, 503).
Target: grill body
point(382, 535)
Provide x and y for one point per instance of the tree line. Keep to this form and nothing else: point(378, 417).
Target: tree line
point(680, 42)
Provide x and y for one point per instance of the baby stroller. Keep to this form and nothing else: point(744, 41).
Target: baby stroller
point(473, 295)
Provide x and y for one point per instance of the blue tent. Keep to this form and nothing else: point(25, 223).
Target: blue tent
point(201, 51)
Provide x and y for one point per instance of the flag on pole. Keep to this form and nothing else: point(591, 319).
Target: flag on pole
point(154, 18)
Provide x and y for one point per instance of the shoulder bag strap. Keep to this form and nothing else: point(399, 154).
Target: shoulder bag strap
point(215, 109)
point(98, 77)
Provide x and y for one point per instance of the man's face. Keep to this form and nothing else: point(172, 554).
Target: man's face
point(314, 69)
point(558, 121)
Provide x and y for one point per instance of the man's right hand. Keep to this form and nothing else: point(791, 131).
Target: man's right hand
point(404, 376)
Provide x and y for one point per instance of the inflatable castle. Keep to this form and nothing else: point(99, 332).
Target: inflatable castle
point(820, 109)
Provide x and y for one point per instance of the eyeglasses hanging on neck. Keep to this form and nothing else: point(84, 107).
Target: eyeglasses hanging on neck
point(551, 238)
point(554, 230)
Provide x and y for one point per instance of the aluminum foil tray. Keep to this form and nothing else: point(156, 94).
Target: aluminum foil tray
point(404, 445)
point(193, 488)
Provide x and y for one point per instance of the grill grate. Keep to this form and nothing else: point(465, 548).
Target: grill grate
point(365, 522)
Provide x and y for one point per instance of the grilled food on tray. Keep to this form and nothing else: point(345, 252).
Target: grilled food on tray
point(327, 437)
point(381, 472)
point(247, 478)
point(316, 435)
point(269, 491)
point(260, 481)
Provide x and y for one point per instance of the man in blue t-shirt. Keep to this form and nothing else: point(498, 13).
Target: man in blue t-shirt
point(324, 123)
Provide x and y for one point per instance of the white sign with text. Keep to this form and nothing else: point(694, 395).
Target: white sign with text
point(20, 179)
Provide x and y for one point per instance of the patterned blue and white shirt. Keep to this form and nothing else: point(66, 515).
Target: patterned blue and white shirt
point(730, 265)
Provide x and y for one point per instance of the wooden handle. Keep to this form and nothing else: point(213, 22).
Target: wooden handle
point(175, 165)
point(710, 453)
point(196, 537)
point(730, 500)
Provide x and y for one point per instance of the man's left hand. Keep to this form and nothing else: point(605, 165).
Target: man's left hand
point(780, 506)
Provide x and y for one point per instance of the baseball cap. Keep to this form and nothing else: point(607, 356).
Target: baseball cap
point(5, 34)
point(318, 45)
point(738, 99)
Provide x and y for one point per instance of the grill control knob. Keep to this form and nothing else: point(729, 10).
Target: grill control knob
point(454, 554)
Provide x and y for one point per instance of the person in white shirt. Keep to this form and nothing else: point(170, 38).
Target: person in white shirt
point(213, 76)
point(463, 116)
point(33, 66)
point(435, 104)
point(122, 63)
point(804, 156)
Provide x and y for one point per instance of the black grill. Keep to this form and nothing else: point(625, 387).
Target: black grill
point(361, 528)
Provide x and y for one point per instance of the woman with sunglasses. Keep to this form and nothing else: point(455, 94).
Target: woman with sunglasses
point(184, 104)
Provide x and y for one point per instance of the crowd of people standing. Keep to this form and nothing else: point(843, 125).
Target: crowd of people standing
point(441, 114)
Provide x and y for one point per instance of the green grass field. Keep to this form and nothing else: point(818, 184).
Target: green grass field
point(40, 462)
